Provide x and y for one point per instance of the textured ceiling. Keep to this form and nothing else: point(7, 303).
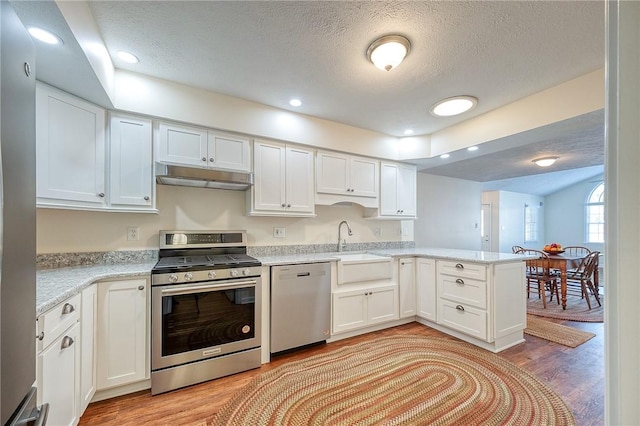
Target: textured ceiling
point(271, 51)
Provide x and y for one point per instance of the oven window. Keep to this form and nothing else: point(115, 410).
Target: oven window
point(201, 320)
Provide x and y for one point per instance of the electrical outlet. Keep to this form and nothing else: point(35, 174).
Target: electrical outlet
point(377, 232)
point(278, 232)
point(133, 233)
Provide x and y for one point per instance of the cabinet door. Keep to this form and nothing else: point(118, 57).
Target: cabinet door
point(407, 286)
point(299, 180)
point(88, 322)
point(426, 289)
point(407, 177)
point(122, 332)
point(382, 304)
point(269, 169)
point(364, 177)
point(182, 145)
point(349, 310)
point(58, 381)
point(70, 149)
point(131, 171)
point(229, 152)
point(389, 189)
point(332, 173)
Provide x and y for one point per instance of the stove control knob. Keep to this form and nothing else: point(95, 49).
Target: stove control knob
point(246, 271)
point(234, 272)
point(212, 275)
point(188, 276)
point(173, 278)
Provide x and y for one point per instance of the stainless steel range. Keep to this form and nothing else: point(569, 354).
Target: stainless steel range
point(206, 308)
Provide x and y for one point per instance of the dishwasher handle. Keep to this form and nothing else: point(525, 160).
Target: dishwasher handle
point(303, 274)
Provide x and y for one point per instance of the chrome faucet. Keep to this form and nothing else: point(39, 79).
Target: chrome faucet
point(343, 242)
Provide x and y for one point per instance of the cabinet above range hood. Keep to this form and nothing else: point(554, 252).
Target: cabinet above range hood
point(203, 178)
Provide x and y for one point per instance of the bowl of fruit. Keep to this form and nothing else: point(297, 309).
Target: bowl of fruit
point(553, 248)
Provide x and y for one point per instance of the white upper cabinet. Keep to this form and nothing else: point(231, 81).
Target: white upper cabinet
point(397, 190)
point(193, 146)
point(283, 180)
point(130, 165)
point(342, 177)
point(70, 159)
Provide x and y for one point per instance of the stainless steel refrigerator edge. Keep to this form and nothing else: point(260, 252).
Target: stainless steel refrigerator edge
point(18, 217)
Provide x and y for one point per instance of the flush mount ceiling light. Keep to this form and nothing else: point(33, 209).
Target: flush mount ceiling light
point(44, 35)
point(445, 156)
point(388, 51)
point(453, 106)
point(472, 148)
point(408, 132)
point(129, 58)
point(295, 102)
point(545, 161)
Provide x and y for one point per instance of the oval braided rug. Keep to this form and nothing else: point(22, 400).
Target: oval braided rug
point(397, 380)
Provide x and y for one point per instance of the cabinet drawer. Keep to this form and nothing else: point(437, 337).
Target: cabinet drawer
point(463, 269)
point(463, 318)
point(55, 321)
point(463, 290)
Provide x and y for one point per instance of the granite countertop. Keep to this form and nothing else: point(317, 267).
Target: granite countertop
point(55, 285)
point(58, 284)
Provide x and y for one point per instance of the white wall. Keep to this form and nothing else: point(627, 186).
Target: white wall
point(60, 231)
point(507, 211)
point(565, 214)
point(448, 213)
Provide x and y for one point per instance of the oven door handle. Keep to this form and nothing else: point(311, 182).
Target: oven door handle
point(206, 287)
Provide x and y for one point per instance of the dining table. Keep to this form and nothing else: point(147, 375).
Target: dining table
point(564, 262)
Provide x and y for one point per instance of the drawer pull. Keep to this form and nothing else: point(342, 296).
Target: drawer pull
point(40, 336)
point(459, 266)
point(140, 287)
point(67, 308)
point(66, 342)
point(460, 281)
point(460, 308)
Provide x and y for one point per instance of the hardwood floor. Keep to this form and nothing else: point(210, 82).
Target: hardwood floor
point(576, 374)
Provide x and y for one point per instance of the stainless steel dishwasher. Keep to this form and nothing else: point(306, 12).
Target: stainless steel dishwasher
point(300, 305)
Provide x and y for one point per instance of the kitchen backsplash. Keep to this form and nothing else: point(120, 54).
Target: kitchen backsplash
point(64, 260)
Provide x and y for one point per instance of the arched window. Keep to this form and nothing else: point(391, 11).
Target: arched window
point(594, 214)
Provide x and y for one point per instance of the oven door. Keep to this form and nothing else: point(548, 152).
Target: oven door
point(191, 322)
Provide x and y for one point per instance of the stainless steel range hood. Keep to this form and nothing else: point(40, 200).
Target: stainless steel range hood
point(203, 178)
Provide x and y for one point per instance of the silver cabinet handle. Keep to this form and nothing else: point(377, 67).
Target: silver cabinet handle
point(460, 308)
point(101, 195)
point(459, 266)
point(40, 336)
point(211, 160)
point(288, 205)
point(140, 287)
point(460, 281)
point(67, 308)
point(147, 198)
point(204, 159)
point(66, 342)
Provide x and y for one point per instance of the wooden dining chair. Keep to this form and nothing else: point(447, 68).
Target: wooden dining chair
point(516, 249)
point(539, 271)
point(581, 280)
point(576, 251)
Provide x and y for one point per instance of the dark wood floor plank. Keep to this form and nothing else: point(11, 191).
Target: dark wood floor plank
point(576, 374)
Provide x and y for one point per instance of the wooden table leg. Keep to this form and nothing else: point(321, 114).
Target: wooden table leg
point(563, 285)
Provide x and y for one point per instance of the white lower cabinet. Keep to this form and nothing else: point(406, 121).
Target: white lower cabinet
point(353, 309)
point(123, 332)
point(58, 362)
point(427, 298)
point(88, 324)
point(407, 286)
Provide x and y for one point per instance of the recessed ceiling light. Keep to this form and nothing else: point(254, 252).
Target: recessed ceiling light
point(472, 148)
point(44, 35)
point(408, 132)
point(129, 58)
point(295, 102)
point(545, 161)
point(445, 156)
point(453, 106)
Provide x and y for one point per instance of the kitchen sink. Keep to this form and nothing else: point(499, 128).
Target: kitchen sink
point(361, 267)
